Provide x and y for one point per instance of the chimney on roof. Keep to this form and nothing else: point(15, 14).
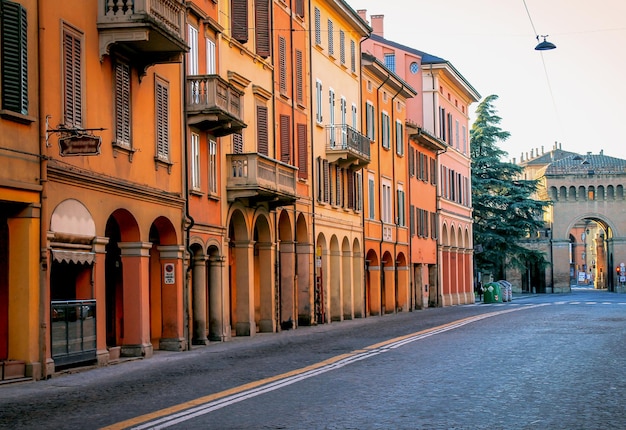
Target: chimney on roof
point(377, 25)
point(363, 14)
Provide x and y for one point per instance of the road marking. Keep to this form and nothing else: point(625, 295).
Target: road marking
point(177, 414)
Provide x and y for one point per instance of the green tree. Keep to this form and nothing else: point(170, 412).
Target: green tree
point(504, 212)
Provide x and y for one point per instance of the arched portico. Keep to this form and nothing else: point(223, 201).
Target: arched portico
point(584, 249)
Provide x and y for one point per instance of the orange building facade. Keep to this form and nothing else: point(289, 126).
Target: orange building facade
point(386, 222)
point(186, 172)
point(113, 201)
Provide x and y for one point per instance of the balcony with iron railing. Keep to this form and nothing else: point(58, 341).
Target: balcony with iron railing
point(347, 146)
point(213, 105)
point(256, 178)
point(146, 31)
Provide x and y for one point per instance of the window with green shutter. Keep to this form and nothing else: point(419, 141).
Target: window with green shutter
point(14, 60)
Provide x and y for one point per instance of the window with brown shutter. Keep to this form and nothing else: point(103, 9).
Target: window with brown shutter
point(303, 171)
point(261, 130)
point(299, 77)
point(72, 78)
point(285, 139)
point(326, 181)
point(239, 20)
point(300, 8)
point(237, 143)
point(282, 64)
point(262, 27)
point(351, 194)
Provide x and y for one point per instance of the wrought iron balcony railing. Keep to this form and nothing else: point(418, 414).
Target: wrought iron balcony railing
point(346, 145)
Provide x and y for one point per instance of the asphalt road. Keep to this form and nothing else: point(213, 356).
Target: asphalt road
point(543, 361)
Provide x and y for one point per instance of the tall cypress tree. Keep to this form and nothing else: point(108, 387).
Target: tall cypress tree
point(504, 212)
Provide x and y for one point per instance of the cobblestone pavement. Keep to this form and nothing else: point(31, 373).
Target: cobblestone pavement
point(546, 361)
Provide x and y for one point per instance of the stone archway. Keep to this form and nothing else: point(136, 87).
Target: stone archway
point(304, 253)
point(264, 271)
point(166, 286)
point(583, 251)
point(287, 267)
point(372, 284)
point(240, 258)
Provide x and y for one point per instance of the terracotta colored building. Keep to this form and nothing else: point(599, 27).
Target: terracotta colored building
point(113, 202)
point(439, 164)
point(386, 222)
point(213, 112)
point(292, 90)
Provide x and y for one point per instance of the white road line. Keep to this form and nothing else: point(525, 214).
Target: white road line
point(206, 408)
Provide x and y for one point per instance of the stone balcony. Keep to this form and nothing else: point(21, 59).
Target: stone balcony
point(146, 31)
point(346, 146)
point(256, 178)
point(213, 105)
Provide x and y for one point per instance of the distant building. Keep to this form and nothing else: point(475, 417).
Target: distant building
point(584, 234)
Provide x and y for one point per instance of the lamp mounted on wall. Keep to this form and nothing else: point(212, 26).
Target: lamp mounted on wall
point(545, 45)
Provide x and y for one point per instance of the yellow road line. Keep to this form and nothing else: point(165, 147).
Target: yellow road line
point(255, 384)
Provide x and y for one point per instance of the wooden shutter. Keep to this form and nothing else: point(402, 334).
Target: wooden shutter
point(237, 143)
point(14, 59)
point(300, 8)
point(326, 181)
point(342, 47)
point(331, 40)
point(262, 27)
point(282, 64)
point(318, 27)
point(72, 69)
point(303, 161)
point(412, 220)
point(285, 139)
point(338, 186)
point(353, 56)
point(299, 76)
point(162, 120)
point(239, 20)
point(261, 130)
point(122, 104)
point(351, 193)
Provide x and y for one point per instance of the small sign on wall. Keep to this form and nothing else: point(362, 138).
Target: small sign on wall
point(169, 276)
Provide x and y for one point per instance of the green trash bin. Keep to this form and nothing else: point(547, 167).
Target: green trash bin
point(492, 293)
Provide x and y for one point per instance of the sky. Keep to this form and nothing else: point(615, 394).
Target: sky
point(574, 95)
